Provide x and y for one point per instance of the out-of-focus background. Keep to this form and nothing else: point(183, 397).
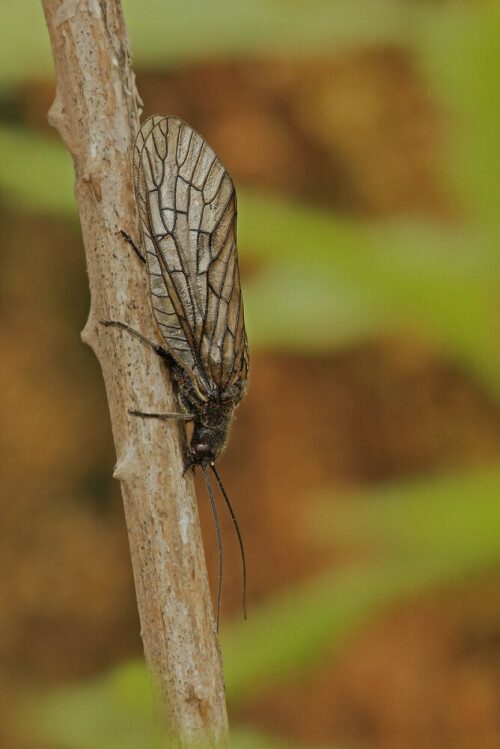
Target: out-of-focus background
point(363, 137)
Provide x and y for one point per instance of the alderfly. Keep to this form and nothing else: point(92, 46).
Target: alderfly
point(187, 212)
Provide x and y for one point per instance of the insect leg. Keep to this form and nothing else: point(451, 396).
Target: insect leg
point(156, 348)
point(190, 463)
point(129, 239)
point(161, 352)
point(182, 417)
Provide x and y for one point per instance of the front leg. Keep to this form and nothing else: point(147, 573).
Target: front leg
point(191, 462)
point(182, 417)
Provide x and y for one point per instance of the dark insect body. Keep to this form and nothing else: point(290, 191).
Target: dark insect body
point(187, 211)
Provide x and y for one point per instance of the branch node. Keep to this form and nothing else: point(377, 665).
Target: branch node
point(128, 465)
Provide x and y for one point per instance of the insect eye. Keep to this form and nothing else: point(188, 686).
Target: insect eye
point(202, 450)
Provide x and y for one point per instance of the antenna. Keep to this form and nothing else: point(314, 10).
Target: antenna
point(235, 522)
point(219, 542)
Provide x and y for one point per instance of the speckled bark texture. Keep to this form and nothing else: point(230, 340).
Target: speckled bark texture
point(96, 113)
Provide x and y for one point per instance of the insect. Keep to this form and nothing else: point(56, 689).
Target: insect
point(187, 212)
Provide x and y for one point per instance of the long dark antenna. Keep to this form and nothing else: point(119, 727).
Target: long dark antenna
point(219, 542)
point(235, 522)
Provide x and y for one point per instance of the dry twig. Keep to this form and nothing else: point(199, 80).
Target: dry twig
point(96, 113)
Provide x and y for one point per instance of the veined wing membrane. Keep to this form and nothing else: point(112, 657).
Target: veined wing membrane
point(187, 208)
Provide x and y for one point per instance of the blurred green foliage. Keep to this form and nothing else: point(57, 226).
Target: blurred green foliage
point(420, 536)
point(168, 34)
point(343, 281)
point(115, 712)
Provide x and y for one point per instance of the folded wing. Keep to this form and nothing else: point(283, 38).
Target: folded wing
point(187, 209)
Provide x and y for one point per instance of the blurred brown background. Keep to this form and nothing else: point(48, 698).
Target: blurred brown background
point(359, 132)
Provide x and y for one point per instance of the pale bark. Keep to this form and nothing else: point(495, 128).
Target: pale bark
point(96, 113)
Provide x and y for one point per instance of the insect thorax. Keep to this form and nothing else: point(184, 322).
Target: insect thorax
point(212, 415)
point(211, 430)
